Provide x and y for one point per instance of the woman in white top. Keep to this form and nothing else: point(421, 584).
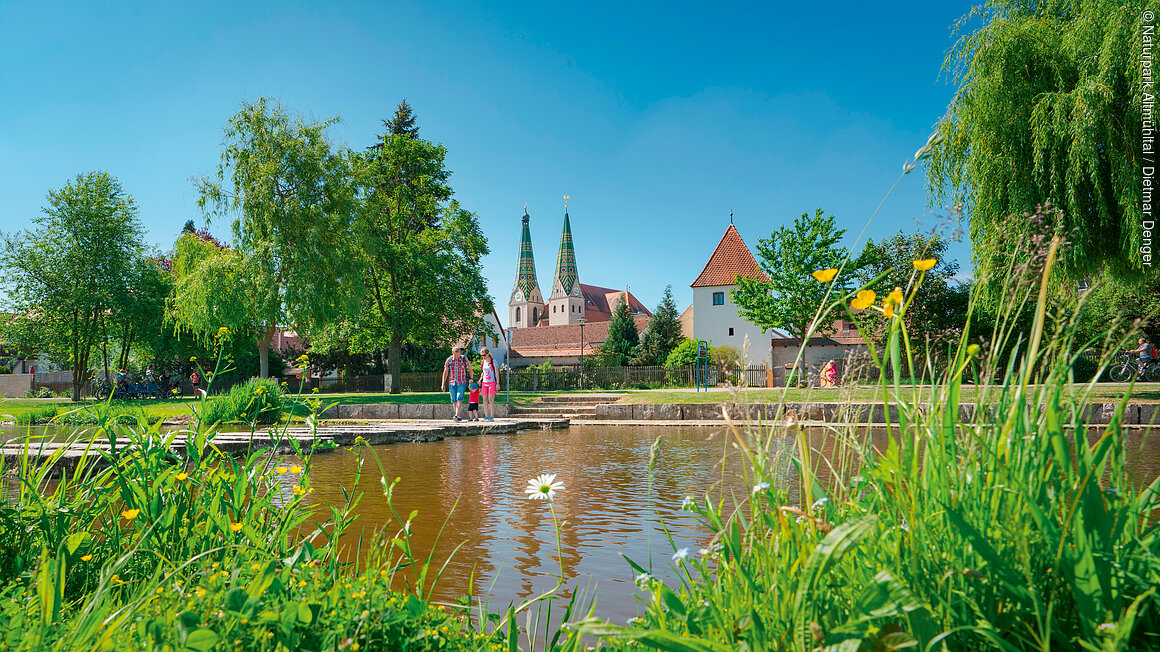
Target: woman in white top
point(488, 383)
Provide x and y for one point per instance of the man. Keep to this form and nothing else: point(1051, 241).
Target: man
point(1147, 354)
point(456, 376)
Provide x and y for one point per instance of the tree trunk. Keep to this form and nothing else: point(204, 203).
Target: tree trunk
point(395, 360)
point(264, 352)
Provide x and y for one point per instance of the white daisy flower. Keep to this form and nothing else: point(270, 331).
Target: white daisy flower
point(543, 487)
point(761, 486)
point(680, 555)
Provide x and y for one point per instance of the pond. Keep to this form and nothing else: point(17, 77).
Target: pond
point(610, 509)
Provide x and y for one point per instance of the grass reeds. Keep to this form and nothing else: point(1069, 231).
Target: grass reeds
point(1012, 526)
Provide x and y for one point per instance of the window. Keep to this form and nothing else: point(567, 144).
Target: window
point(517, 314)
point(718, 298)
point(731, 331)
point(553, 310)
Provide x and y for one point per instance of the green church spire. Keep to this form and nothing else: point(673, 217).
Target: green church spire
point(526, 269)
point(566, 274)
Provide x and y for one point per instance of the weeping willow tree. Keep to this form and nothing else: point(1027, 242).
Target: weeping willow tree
point(1048, 109)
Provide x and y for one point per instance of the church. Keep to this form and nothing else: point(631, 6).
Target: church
point(574, 320)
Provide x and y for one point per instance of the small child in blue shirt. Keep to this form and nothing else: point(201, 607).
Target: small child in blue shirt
point(473, 402)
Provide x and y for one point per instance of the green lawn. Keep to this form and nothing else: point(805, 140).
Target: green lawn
point(1145, 393)
point(181, 409)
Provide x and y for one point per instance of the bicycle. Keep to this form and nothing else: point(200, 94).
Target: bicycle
point(1123, 371)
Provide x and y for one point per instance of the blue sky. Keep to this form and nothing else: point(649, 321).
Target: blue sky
point(656, 118)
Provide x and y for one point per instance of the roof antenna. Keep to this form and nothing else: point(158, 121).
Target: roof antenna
point(730, 215)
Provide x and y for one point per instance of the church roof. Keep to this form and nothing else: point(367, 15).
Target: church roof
point(730, 259)
point(526, 269)
point(566, 274)
point(564, 341)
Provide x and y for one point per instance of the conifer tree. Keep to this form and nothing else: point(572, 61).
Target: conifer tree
point(663, 334)
point(623, 339)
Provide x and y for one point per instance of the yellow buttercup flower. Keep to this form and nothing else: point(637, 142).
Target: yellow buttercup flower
point(182, 476)
point(888, 310)
point(299, 491)
point(296, 469)
point(924, 265)
point(130, 514)
point(974, 350)
point(193, 358)
point(86, 557)
point(115, 579)
point(236, 527)
point(281, 470)
point(824, 275)
point(223, 331)
point(863, 300)
point(895, 296)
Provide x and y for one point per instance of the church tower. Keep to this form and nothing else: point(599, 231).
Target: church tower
point(566, 305)
point(527, 304)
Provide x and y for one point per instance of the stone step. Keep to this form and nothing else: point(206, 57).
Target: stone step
point(580, 398)
point(563, 408)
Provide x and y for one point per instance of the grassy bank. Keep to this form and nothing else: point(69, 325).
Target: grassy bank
point(1143, 393)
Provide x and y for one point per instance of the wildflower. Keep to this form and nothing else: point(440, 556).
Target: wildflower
point(824, 275)
point(687, 504)
point(299, 491)
point(235, 527)
point(281, 469)
point(296, 469)
point(116, 579)
point(642, 579)
point(260, 390)
point(256, 566)
point(193, 358)
point(1105, 627)
point(634, 620)
point(895, 297)
point(819, 504)
point(973, 350)
point(888, 310)
point(86, 558)
point(680, 555)
point(182, 476)
point(222, 332)
point(863, 300)
point(924, 265)
point(359, 440)
point(760, 487)
point(130, 514)
point(302, 359)
point(544, 486)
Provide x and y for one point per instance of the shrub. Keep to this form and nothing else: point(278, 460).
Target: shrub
point(45, 392)
point(5, 370)
point(685, 354)
point(258, 400)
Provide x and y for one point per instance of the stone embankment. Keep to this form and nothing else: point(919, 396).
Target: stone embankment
point(1096, 413)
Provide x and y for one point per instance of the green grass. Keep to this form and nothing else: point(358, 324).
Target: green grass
point(1145, 393)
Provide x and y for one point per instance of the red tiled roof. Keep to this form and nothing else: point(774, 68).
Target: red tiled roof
point(600, 302)
point(563, 341)
point(730, 259)
point(841, 333)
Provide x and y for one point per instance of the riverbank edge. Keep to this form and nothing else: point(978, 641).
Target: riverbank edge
point(1094, 413)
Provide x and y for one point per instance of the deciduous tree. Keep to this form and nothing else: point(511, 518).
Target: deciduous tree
point(419, 252)
point(291, 195)
point(66, 276)
point(790, 299)
point(1048, 107)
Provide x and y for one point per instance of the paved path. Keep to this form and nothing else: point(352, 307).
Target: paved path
point(66, 455)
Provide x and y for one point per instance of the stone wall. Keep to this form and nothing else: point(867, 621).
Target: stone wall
point(418, 411)
point(15, 385)
point(1095, 414)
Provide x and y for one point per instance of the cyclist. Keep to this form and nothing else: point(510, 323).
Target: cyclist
point(1147, 354)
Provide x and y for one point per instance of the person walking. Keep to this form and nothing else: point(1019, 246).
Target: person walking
point(195, 380)
point(489, 383)
point(456, 376)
